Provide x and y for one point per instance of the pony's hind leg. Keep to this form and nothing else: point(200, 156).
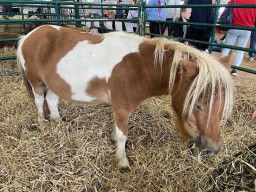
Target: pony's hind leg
point(39, 101)
point(52, 101)
point(36, 89)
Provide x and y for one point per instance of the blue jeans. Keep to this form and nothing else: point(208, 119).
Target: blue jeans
point(253, 44)
point(241, 37)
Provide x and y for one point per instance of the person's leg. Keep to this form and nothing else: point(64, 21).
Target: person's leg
point(160, 27)
point(170, 28)
point(200, 36)
point(205, 46)
point(153, 28)
point(194, 36)
point(253, 45)
point(164, 26)
point(123, 26)
point(230, 39)
point(242, 39)
point(206, 38)
point(113, 25)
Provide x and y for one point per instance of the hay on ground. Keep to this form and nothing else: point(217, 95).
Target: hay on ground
point(77, 154)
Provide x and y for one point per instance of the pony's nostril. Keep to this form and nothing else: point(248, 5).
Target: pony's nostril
point(208, 152)
point(216, 150)
point(198, 146)
point(191, 145)
point(193, 148)
point(211, 152)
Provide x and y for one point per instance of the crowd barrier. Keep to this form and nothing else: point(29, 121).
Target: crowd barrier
point(22, 16)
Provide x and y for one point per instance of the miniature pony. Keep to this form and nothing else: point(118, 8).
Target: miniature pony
point(124, 70)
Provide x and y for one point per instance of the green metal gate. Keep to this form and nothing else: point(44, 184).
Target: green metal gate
point(74, 13)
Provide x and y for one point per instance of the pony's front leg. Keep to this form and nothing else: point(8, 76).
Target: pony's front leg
point(119, 135)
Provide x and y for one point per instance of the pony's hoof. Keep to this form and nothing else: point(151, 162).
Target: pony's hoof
point(42, 121)
point(56, 119)
point(125, 170)
point(123, 164)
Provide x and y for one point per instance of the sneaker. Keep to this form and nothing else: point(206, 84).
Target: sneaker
point(206, 51)
point(233, 72)
point(251, 59)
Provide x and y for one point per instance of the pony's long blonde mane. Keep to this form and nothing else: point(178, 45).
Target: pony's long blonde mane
point(212, 76)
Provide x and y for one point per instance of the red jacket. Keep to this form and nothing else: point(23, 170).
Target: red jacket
point(244, 16)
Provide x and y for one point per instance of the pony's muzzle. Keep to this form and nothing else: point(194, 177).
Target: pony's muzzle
point(200, 145)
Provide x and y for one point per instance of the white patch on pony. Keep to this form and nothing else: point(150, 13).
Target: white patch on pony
point(55, 27)
point(86, 61)
point(120, 139)
point(20, 57)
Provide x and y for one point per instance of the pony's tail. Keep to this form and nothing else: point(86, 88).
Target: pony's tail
point(23, 75)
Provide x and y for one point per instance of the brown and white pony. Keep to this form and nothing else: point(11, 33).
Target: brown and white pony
point(124, 70)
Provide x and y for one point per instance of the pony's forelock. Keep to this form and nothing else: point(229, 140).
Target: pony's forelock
point(212, 75)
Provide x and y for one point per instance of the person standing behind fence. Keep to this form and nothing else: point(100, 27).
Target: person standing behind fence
point(133, 14)
point(171, 15)
point(252, 56)
point(120, 14)
point(155, 15)
point(241, 17)
point(180, 30)
point(200, 15)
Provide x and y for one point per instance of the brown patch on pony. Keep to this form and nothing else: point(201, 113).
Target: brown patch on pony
point(142, 78)
point(98, 88)
point(10, 43)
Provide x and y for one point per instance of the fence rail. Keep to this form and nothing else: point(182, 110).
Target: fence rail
point(81, 14)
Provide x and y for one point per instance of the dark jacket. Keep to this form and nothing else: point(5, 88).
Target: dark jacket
point(179, 29)
point(200, 14)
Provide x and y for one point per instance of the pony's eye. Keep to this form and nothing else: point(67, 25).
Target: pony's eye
point(198, 106)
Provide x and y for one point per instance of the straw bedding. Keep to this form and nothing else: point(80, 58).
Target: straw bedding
point(78, 155)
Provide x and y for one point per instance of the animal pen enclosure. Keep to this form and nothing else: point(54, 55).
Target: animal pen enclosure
point(78, 155)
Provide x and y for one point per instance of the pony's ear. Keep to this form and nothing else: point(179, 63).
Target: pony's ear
point(228, 60)
point(188, 69)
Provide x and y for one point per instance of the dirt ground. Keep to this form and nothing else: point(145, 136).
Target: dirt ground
point(77, 154)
